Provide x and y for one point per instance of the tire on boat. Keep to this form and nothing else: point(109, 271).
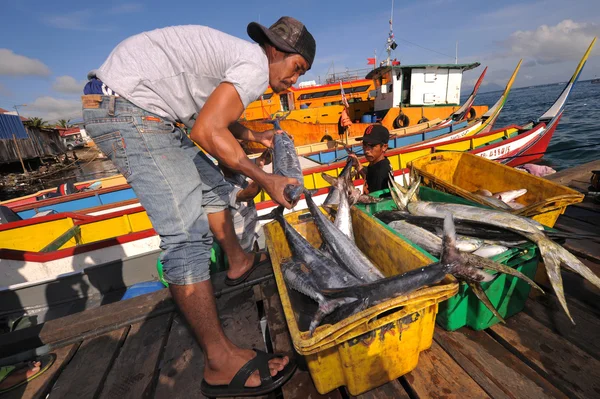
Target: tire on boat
point(326, 138)
point(423, 120)
point(472, 114)
point(401, 121)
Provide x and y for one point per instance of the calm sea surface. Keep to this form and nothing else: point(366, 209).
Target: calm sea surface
point(578, 126)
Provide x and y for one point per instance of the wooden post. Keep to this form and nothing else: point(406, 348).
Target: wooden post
point(19, 154)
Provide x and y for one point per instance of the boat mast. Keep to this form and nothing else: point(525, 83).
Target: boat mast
point(391, 44)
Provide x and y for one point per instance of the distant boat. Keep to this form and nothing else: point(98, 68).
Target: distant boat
point(596, 80)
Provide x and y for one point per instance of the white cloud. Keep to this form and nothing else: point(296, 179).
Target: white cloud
point(68, 84)
point(19, 65)
point(76, 20)
point(52, 109)
point(126, 8)
point(564, 41)
point(85, 20)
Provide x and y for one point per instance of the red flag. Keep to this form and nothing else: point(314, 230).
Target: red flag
point(395, 63)
point(370, 61)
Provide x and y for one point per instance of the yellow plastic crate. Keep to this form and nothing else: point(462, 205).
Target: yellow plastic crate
point(461, 174)
point(378, 344)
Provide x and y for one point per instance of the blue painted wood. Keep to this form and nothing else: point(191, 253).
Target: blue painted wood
point(339, 154)
point(83, 203)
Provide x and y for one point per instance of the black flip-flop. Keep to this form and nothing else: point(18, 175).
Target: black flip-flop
point(267, 383)
point(256, 263)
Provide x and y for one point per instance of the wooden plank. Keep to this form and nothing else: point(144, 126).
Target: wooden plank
point(132, 374)
point(182, 365)
point(183, 362)
point(391, 390)
point(114, 314)
point(239, 316)
point(566, 366)
point(85, 374)
point(584, 214)
point(585, 334)
point(574, 286)
point(500, 373)
point(586, 248)
point(439, 376)
point(300, 385)
point(40, 386)
point(581, 172)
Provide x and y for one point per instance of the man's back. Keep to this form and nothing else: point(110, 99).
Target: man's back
point(172, 71)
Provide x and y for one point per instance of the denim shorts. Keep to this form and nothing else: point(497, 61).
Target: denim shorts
point(175, 181)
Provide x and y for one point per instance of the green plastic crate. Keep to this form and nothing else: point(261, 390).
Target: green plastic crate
point(508, 294)
point(218, 263)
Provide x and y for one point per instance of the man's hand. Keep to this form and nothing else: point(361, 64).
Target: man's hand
point(355, 161)
point(264, 159)
point(274, 186)
point(266, 138)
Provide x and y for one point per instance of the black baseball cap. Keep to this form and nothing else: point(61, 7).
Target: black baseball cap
point(288, 35)
point(375, 134)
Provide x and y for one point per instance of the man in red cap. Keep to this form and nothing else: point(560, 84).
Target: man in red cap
point(135, 102)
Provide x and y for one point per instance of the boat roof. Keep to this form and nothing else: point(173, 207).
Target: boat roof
point(384, 69)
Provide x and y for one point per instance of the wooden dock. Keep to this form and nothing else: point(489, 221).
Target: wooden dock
point(142, 348)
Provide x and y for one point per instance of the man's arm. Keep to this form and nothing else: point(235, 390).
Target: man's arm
point(249, 193)
point(211, 132)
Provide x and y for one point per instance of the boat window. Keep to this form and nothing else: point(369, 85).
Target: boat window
point(267, 96)
point(333, 93)
point(360, 89)
point(319, 94)
point(305, 96)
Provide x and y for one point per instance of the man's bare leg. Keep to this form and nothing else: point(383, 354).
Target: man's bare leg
point(222, 359)
point(221, 225)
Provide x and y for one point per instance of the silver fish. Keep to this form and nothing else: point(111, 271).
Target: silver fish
point(511, 195)
point(343, 249)
point(343, 219)
point(495, 202)
point(333, 196)
point(488, 251)
point(430, 242)
point(286, 163)
point(516, 205)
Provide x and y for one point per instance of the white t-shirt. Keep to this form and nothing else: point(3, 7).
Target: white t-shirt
point(172, 71)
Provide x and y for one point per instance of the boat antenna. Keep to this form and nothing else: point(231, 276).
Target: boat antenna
point(456, 56)
point(391, 43)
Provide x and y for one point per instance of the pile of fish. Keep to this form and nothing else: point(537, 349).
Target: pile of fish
point(490, 228)
point(343, 281)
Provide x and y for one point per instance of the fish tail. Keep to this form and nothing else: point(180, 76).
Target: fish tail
point(484, 263)
point(482, 296)
point(276, 214)
point(453, 260)
point(552, 255)
point(560, 255)
point(325, 308)
point(332, 180)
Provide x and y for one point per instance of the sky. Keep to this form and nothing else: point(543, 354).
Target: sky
point(48, 47)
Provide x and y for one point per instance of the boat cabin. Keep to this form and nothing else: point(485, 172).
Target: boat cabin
point(417, 85)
